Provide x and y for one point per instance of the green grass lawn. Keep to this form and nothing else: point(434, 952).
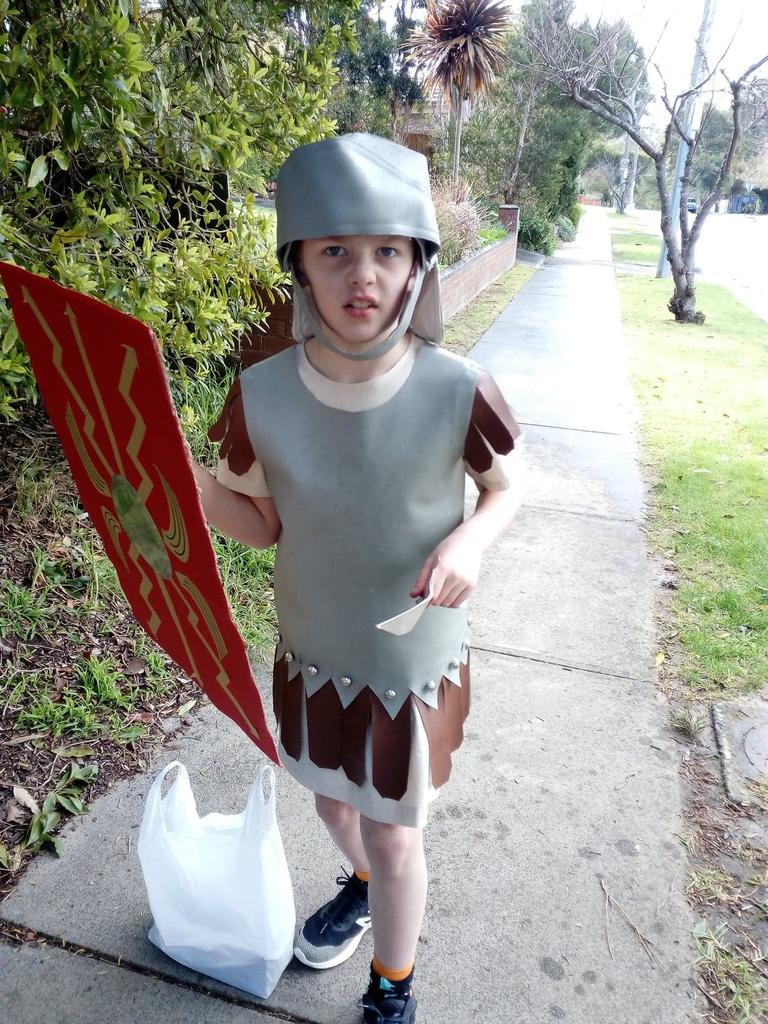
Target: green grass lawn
point(702, 393)
point(631, 241)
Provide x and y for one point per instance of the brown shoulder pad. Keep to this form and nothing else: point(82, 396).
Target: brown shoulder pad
point(231, 431)
point(492, 427)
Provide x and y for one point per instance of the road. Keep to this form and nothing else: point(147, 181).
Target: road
point(732, 252)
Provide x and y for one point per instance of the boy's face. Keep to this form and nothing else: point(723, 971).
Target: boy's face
point(358, 283)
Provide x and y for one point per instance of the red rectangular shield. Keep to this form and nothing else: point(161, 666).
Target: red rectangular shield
point(102, 379)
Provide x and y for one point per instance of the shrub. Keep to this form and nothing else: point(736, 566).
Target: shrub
point(458, 218)
point(121, 132)
point(536, 232)
point(494, 232)
point(574, 214)
point(566, 229)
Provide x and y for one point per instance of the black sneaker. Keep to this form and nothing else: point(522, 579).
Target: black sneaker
point(388, 1002)
point(332, 934)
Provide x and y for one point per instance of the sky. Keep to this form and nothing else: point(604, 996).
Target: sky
point(671, 27)
point(674, 26)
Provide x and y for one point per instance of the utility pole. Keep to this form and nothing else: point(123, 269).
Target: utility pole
point(621, 198)
point(628, 169)
point(632, 178)
point(702, 43)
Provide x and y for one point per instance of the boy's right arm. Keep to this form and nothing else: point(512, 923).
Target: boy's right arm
point(252, 521)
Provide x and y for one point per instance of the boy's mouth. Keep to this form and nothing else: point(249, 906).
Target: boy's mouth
point(361, 308)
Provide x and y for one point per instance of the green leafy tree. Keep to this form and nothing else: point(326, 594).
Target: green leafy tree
point(132, 141)
point(715, 139)
point(609, 160)
point(560, 144)
point(376, 90)
point(715, 136)
point(524, 143)
point(495, 136)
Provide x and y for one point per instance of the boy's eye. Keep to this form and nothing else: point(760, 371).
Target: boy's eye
point(388, 250)
point(334, 250)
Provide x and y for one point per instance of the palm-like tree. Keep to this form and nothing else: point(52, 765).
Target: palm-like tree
point(460, 49)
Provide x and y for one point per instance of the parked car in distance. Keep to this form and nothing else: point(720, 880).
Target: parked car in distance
point(692, 206)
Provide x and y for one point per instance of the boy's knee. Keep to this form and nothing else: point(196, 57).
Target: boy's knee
point(390, 847)
point(335, 813)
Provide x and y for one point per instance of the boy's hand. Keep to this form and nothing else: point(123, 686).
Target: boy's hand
point(454, 567)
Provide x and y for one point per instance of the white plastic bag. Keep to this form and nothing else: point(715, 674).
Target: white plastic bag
point(218, 886)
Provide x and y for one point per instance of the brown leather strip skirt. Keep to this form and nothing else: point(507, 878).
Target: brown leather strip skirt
point(336, 737)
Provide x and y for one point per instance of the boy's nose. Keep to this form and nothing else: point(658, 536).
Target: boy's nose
point(362, 270)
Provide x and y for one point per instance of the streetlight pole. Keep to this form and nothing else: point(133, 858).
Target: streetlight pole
point(690, 109)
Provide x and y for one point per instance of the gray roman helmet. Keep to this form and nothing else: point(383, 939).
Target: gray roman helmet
point(360, 184)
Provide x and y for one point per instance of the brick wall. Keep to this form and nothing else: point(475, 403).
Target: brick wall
point(464, 281)
point(459, 285)
point(256, 344)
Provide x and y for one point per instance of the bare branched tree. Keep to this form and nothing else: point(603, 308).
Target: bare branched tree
point(527, 93)
point(590, 65)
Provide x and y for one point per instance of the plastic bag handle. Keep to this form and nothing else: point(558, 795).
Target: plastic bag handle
point(155, 808)
point(260, 809)
point(160, 778)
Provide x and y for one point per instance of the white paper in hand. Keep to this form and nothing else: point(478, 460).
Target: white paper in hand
point(403, 623)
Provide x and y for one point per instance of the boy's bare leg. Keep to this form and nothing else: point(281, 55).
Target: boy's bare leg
point(343, 824)
point(397, 889)
point(332, 934)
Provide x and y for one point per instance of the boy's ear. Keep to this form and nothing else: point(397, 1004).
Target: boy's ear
point(412, 277)
point(298, 269)
point(416, 258)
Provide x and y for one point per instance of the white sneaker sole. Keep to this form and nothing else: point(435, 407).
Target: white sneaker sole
point(345, 954)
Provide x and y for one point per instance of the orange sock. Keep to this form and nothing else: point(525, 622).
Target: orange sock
point(363, 875)
point(399, 974)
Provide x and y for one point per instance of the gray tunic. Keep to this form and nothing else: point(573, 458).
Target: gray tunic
point(363, 498)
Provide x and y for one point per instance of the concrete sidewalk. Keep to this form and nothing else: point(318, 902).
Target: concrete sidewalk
point(566, 789)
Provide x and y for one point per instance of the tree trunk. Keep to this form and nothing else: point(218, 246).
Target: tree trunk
point(458, 120)
point(630, 156)
point(682, 305)
point(398, 117)
point(512, 179)
point(683, 302)
point(621, 192)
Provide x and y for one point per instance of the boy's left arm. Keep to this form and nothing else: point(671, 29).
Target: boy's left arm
point(454, 565)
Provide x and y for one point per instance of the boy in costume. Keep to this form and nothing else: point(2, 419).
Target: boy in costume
point(350, 451)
